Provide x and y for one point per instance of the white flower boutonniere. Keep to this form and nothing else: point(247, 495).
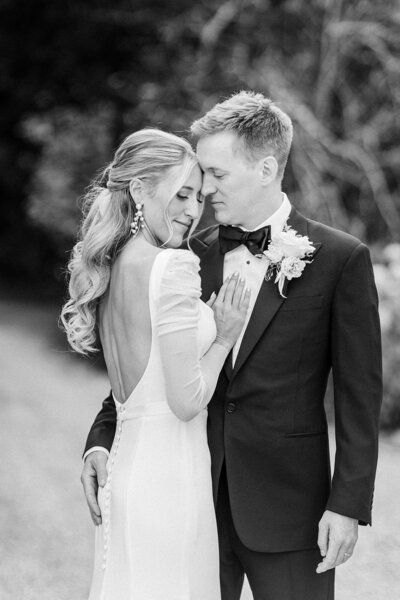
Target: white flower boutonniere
point(287, 254)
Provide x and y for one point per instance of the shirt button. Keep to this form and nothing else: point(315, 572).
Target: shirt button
point(231, 407)
point(247, 262)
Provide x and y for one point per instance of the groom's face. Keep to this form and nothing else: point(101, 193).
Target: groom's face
point(230, 181)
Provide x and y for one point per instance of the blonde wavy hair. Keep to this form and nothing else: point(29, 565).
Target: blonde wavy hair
point(108, 210)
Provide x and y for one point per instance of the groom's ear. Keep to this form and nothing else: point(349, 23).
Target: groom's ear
point(268, 170)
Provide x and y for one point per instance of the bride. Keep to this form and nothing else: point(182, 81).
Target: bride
point(164, 349)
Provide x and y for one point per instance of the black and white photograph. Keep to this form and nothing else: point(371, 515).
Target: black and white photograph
point(200, 300)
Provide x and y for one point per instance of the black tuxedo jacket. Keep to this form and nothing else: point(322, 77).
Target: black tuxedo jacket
point(267, 420)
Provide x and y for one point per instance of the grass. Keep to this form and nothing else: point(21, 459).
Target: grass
point(49, 398)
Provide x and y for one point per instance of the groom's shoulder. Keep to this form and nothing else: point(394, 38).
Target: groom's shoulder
point(332, 238)
point(201, 240)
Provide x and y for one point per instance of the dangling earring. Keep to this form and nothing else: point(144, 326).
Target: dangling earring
point(138, 220)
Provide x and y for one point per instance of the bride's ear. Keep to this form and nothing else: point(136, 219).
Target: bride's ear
point(136, 189)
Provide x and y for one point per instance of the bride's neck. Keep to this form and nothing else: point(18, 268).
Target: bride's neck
point(144, 238)
point(149, 236)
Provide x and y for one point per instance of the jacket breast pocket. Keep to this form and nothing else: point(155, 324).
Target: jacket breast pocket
point(302, 303)
point(305, 434)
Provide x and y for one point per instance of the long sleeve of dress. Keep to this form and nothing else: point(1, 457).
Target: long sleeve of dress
point(190, 380)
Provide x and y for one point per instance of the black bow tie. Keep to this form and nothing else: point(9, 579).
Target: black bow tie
point(232, 237)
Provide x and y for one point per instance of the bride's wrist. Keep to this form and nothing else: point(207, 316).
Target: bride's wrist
point(223, 342)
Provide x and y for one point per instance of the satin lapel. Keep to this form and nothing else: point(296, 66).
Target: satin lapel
point(212, 272)
point(269, 301)
point(300, 224)
point(267, 304)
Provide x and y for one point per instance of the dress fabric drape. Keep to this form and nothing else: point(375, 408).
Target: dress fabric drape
point(158, 538)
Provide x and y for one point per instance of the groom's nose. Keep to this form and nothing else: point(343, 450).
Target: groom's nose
point(208, 188)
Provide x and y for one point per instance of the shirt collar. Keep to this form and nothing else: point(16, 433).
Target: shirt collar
point(278, 219)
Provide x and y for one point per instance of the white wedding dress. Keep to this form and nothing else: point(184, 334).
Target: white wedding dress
point(158, 538)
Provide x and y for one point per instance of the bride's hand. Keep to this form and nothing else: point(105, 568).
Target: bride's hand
point(230, 308)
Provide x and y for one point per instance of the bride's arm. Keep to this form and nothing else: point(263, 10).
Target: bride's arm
point(190, 380)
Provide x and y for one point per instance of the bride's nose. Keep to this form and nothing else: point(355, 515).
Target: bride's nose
point(192, 208)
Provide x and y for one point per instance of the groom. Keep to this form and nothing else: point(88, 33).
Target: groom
point(282, 520)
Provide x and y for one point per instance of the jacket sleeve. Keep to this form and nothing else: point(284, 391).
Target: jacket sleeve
point(357, 379)
point(103, 429)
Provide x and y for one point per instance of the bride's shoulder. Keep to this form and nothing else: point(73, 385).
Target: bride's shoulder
point(180, 269)
point(131, 271)
point(178, 258)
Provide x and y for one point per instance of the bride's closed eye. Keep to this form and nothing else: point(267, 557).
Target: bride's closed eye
point(200, 198)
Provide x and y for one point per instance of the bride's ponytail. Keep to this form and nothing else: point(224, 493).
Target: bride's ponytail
point(108, 211)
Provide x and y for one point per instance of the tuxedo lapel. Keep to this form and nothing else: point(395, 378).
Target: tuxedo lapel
point(211, 270)
point(267, 304)
point(269, 300)
point(212, 273)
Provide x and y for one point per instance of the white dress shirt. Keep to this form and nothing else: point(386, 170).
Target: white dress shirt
point(251, 268)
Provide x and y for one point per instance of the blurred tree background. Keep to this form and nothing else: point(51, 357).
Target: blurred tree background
point(77, 76)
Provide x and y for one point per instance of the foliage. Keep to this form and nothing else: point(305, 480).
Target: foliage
point(333, 64)
point(387, 275)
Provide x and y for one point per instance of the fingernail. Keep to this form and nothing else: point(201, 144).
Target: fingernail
point(236, 274)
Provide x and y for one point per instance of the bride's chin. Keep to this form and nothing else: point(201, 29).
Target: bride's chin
point(175, 242)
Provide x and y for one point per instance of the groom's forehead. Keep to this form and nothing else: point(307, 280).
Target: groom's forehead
point(217, 149)
point(225, 139)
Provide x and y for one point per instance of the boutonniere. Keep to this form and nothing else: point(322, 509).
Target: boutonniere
point(287, 254)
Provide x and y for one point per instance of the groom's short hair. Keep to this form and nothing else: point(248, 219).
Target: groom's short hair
point(261, 126)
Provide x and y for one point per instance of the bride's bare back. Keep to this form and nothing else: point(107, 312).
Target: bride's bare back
point(124, 318)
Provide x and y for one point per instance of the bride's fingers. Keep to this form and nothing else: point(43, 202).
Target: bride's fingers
point(211, 300)
point(230, 288)
point(221, 294)
point(238, 293)
point(245, 301)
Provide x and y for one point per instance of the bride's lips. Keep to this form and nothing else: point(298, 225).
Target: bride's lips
point(186, 225)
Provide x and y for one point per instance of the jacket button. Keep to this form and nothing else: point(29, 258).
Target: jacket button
point(231, 407)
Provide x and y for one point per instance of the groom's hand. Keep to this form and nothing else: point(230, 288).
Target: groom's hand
point(94, 474)
point(336, 539)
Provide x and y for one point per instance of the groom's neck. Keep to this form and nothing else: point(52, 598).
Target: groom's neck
point(263, 208)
